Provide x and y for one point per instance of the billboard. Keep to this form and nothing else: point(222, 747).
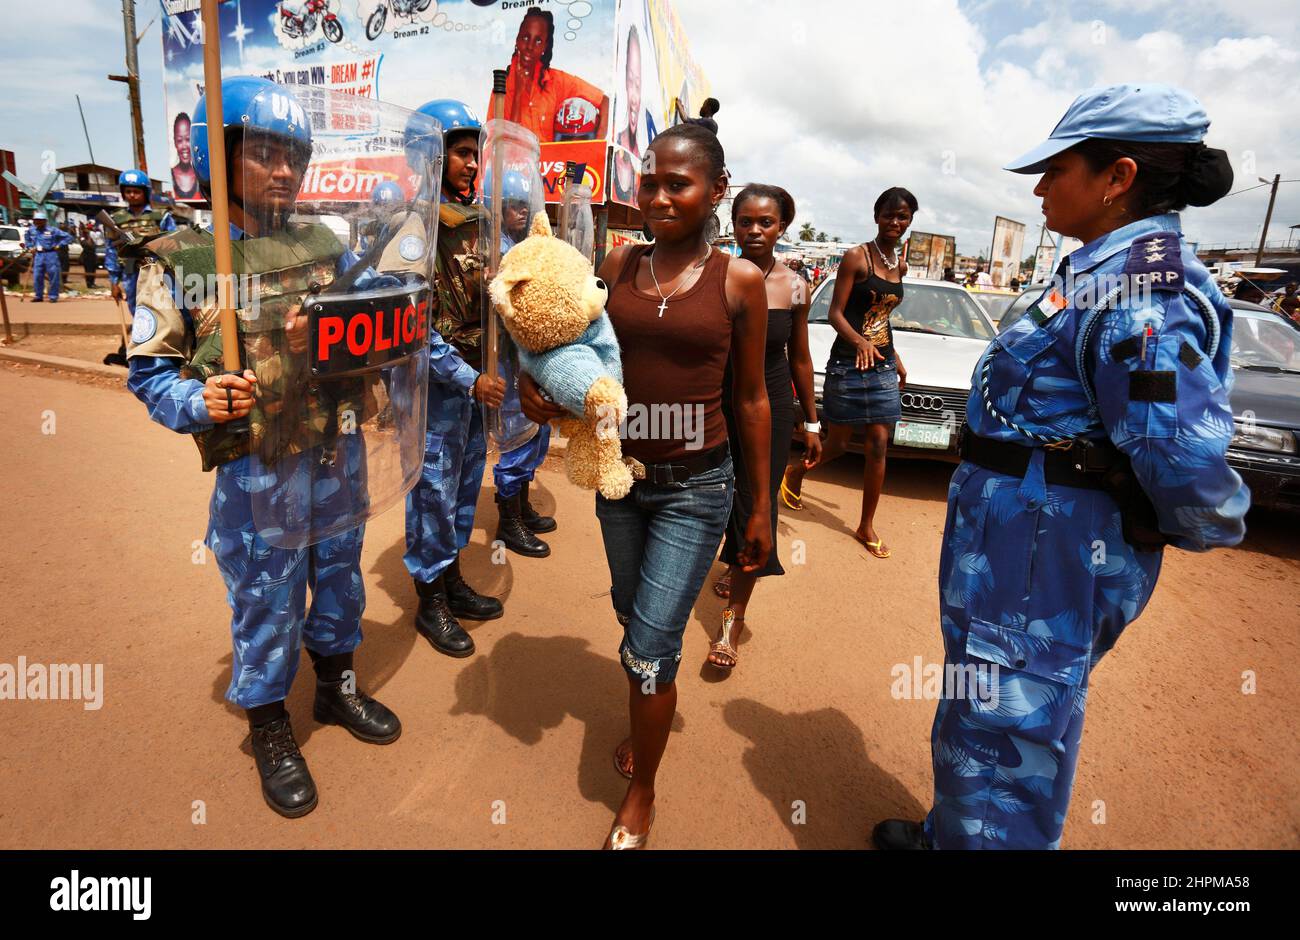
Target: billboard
point(928, 255)
point(1004, 255)
point(560, 53)
point(1045, 260)
point(653, 72)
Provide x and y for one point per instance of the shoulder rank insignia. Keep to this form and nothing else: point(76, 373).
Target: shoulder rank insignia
point(1155, 261)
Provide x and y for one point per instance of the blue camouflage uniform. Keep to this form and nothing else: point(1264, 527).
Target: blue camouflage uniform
point(440, 508)
point(128, 274)
point(46, 244)
point(1038, 578)
point(266, 586)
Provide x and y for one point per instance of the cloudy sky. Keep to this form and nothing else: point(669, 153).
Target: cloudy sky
point(834, 99)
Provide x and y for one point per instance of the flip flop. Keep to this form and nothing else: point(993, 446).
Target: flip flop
point(876, 548)
point(792, 499)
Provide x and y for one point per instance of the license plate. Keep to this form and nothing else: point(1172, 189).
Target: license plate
point(916, 434)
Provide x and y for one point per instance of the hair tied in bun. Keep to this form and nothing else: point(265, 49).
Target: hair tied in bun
point(1207, 177)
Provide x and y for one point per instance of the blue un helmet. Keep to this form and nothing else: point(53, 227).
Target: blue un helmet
point(250, 102)
point(452, 116)
point(387, 194)
point(514, 188)
point(137, 178)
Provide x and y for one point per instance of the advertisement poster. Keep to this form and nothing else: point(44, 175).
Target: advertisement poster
point(928, 255)
point(1005, 256)
point(561, 57)
point(653, 72)
point(1045, 260)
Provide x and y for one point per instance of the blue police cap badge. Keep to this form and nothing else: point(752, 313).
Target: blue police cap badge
point(144, 325)
point(411, 247)
point(1156, 261)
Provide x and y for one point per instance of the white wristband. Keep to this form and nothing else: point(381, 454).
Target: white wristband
point(814, 428)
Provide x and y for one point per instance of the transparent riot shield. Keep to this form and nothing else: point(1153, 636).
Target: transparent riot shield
point(336, 301)
point(512, 195)
point(578, 224)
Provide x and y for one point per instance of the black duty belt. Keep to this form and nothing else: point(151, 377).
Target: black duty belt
point(1087, 464)
point(679, 471)
point(1081, 464)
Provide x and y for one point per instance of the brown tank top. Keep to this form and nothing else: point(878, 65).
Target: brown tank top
point(672, 365)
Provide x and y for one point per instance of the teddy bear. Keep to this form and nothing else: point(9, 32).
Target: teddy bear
point(553, 306)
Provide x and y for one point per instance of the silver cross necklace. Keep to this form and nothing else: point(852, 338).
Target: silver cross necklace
point(663, 301)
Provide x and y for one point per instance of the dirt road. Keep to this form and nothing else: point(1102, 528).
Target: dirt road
point(512, 748)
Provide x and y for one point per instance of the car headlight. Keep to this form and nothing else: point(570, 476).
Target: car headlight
point(1256, 437)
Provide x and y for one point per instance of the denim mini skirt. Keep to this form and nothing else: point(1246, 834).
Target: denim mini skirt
point(860, 396)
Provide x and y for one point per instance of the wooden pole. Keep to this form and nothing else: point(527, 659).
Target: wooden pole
point(121, 321)
point(491, 333)
point(218, 187)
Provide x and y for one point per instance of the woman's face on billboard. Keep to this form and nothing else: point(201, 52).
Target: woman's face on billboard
point(633, 82)
point(530, 44)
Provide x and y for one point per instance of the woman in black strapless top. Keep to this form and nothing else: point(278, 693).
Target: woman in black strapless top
point(864, 375)
point(759, 215)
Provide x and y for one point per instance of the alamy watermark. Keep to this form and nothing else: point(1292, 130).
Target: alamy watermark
point(932, 681)
point(55, 681)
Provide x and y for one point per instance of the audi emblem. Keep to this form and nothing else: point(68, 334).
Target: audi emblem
point(921, 402)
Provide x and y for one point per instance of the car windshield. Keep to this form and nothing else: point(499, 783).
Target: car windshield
point(1264, 342)
point(926, 308)
point(995, 305)
point(10, 234)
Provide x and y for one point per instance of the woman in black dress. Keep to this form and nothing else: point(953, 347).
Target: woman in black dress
point(760, 214)
point(865, 376)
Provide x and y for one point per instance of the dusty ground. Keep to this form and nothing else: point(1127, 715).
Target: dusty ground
point(101, 519)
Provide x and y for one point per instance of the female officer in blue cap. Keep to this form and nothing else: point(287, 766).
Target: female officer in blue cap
point(1098, 425)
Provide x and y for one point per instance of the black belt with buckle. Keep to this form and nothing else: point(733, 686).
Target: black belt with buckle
point(1087, 464)
point(679, 471)
point(1082, 464)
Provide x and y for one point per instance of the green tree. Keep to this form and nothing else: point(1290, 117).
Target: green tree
point(807, 233)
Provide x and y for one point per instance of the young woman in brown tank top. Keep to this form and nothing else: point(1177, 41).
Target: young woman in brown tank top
point(680, 308)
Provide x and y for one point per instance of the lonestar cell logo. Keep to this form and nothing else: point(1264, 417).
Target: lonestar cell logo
point(106, 893)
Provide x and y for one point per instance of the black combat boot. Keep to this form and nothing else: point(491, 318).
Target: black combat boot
point(367, 719)
point(466, 602)
point(895, 834)
point(532, 518)
point(512, 530)
point(435, 622)
point(287, 785)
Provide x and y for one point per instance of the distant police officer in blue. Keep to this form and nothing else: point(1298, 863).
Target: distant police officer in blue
point(440, 508)
point(1099, 424)
point(45, 241)
point(517, 520)
point(137, 224)
point(175, 369)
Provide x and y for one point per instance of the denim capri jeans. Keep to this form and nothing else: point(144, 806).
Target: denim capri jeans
point(660, 541)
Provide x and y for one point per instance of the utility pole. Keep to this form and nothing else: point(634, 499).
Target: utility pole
point(132, 80)
point(1268, 217)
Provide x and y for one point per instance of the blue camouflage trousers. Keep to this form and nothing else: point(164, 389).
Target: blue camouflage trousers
point(266, 586)
point(1036, 583)
point(45, 267)
point(518, 466)
point(440, 508)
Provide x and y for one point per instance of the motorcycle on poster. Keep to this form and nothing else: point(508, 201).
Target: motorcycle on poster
point(340, 333)
point(298, 20)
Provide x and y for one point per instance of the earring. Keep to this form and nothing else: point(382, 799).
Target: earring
point(1106, 201)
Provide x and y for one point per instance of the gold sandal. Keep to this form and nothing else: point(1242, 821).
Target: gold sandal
point(876, 548)
point(623, 839)
point(788, 496)
point(722, 586)
point(723, 643)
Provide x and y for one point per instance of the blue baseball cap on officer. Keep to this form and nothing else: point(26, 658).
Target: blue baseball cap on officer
point(250, 102)
point(1146, 112)
point(387, 193)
